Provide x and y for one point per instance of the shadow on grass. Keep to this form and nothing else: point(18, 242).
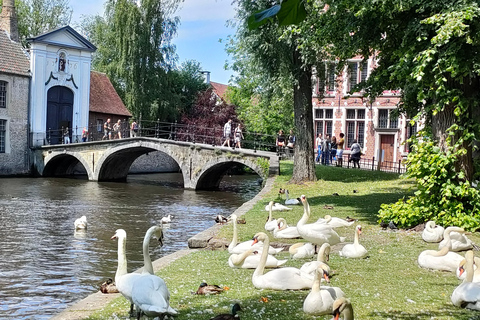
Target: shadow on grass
point(449, 311)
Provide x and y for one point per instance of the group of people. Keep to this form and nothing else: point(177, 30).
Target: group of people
point(115, 132)
point(330, 150)
point(237, 135)
point(285, 144)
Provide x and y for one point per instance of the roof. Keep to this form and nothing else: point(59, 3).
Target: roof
point(13, 58)
point(219, 89)
point(66, 37)
point(103, 97)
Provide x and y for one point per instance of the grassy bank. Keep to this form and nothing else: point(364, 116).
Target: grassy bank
point(386, 285)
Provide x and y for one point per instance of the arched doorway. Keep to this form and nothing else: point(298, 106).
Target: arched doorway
point(59, 113)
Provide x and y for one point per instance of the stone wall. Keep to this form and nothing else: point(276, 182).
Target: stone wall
point(154, 162)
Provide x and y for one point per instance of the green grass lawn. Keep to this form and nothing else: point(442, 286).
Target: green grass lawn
point(388, 284)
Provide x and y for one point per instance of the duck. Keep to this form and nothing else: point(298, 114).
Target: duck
point(108, 286)
point(302, 250)
point(271, 223)
point(227, 316)
point(207, 289)
point(250, 260)
point(461, 274)
point(286, 278)
point(221, 219)
point(289, 201)
point(467, 294)
point(459, 241)
point(314, 232)
point(283, 231)
point(80, 223)
point(277, 207)
point(235, 247)
point(321, 298)
point(334, 222)
point(166, 219)
point(309, 268)
point(443, 259)
point(354, 250)
point(432, 232)
point(343, 306)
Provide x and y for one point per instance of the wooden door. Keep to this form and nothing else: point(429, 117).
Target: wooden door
point(386, 150)
point(59, 112)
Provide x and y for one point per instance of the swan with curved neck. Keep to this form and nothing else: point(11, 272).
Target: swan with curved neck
point(334, 222)
point(342, 306)
point(290, 201)
point(467, 294)
point(283, 231)
point(461, 274)
point(432, 232)
point(309, 268)
point(271, 223)
point(355, 249)
point(302, 250)
point(250, 259)
point(287, 278)
point(443, 259)
point(320, 300)
point(315, 232)
point(458, 239)
point(154, 231)
point(235, 247)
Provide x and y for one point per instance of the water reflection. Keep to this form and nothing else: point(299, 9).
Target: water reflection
point(46, 265)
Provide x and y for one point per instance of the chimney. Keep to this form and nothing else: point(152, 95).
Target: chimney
point(207, 76)
point(8, 19)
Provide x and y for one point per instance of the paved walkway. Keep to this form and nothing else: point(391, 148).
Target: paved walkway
point(95, 302)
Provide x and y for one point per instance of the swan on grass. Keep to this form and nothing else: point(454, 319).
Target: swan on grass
point(156, 232)
point(287, 278)
point(461, 274)
point(277, 207)
point(235, 247)
point(302, 250)
point(80, 223)
point(309, 268)
point(289, 201)
point(432, 232)
point(320, 299)
point(314, 232)
point(250, 259)
point(271, 223)
point(467, 294)
point(355, 249)
point(443, 260)
point(459, 241)
point(342, 306)
point(334, 222)
point(283, 231)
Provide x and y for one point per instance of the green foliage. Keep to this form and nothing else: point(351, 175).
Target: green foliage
point(265, 165)
point(443, 194)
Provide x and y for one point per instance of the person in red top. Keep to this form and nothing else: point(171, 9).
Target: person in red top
point(340, 145)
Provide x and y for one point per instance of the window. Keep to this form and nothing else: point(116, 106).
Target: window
point(386, 120)
point(411, 131)
point(3, 94)
point(326, 83)
point(355, 126)
point(99, 125)
point(3, 134)
point(357, 72)
point(323, 121)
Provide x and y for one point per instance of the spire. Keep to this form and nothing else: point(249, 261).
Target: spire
point(8, 19)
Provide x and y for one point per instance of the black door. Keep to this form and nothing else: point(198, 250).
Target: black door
point(59, 113)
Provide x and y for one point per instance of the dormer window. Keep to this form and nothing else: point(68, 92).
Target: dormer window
point(357, 72)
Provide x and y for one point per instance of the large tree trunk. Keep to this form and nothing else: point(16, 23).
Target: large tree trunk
point(303, 165)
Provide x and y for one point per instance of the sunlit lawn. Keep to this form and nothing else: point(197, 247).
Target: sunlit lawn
point(386, 285)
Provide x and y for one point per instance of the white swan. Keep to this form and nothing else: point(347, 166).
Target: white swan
point(235, 247)
point(314, 232)
point(287, 278)
point(432, 232)
point(334, 222)
point(309, 268)
point(467, 294)
point(80, 223)
point(166, 219)
point(342, 306)
point(289, 201)
point(250, 259)
point(442, 260)
point(271, 223)
point(147, 261)
point(355, 249)
point(320, 300)
point(283, 231)
point(461, 274)
point(459, 241)
point(277, 207)
point(302, 250)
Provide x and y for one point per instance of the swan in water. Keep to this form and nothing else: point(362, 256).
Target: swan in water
point(459, 241)
point(289, 201)
point(286, 278)
point(432, 232)
point(355, 249)
point(467, 294)
point(250, 259)
point(320, 300)
point(335, 222)
point(277, 207)
point(235, 247)
point(315, 232)
point(342, 306)
point(302, 250)
point(309, 268)
point(443, 260)
point(271, 223)
point(80, 223)
point(283, 231)
point(166, 219)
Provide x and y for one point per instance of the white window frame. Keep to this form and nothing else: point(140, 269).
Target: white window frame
point(358, 122)
point(360, 74)
point(389, 122)
point(324, 120)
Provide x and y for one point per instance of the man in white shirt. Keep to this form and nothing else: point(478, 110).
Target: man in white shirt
point(227, 132)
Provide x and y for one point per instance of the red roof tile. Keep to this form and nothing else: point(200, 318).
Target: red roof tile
point(12, 57)
point(219, 89)
point(103, 97)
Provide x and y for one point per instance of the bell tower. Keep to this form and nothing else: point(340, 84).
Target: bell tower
point(8, 19)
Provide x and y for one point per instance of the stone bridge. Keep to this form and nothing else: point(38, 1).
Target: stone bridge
point(202, 165)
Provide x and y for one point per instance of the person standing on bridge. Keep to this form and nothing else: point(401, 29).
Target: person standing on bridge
point(107, 130)
point(238, 136)
point(117, 130)
point(133, 129)
point(227, 133)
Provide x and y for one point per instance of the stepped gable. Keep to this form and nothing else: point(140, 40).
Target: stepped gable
point(13, 58)
point(103, 97)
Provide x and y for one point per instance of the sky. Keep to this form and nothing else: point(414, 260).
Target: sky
point(202, 24)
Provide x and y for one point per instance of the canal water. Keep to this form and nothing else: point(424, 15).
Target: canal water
point(45, 265)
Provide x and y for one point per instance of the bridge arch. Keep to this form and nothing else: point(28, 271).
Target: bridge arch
point(65, 164)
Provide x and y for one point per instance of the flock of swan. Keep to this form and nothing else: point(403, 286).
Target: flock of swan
point(450, 241)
